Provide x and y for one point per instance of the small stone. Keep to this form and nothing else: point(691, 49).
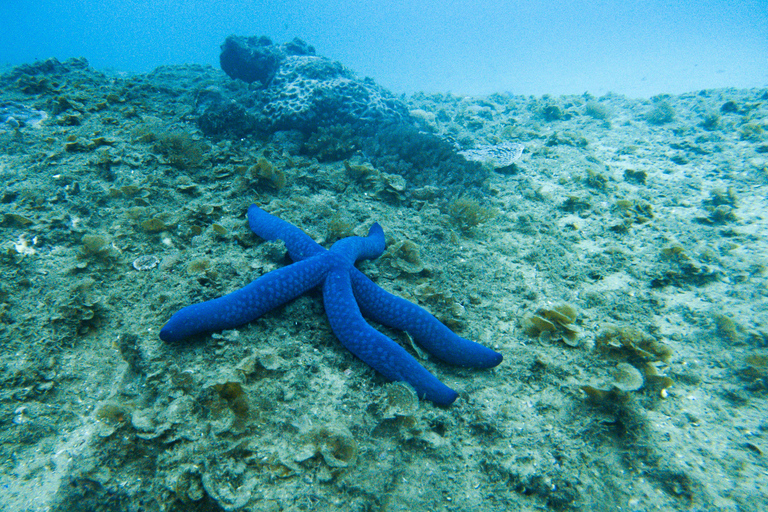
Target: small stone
point(146, 262)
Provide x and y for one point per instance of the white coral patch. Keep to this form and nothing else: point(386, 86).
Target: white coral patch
point(499, 155)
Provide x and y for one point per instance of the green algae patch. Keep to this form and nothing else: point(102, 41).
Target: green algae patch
point(661, 113)
point(178, 149)
point(467, 212)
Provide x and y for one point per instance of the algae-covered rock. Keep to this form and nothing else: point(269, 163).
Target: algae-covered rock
point(180, 149)
point(597, 110)
point(680, 269)
point(337, 113)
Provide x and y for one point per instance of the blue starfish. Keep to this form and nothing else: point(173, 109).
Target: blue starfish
point(347, 293)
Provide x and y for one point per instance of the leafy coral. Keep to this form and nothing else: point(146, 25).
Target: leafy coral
point(268, 173)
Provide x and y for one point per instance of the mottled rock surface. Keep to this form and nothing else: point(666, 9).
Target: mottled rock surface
point(338, 114)
point(298, 89)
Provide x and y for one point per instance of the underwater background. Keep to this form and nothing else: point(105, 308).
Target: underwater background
point(636, 48)
point(580, 187)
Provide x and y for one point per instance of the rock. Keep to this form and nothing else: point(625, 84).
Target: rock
point(298, 89)
point(15, 115)
point(499, 155)
point(250, 59)
point(288, 87)
point(222, 115)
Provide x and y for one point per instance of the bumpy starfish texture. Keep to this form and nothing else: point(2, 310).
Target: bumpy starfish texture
point(347, 295)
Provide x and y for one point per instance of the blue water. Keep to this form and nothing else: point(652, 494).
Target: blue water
point(635, 47)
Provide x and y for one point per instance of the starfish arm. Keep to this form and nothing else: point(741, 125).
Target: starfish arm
point(299, 244)
point(385, 308)
point(376, 350)
point(248, 303)
point(355, 248)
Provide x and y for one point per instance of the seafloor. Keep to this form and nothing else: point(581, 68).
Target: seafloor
point(620, 266)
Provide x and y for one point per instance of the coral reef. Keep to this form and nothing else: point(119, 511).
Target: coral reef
point(338, 113)
point(301, 90)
